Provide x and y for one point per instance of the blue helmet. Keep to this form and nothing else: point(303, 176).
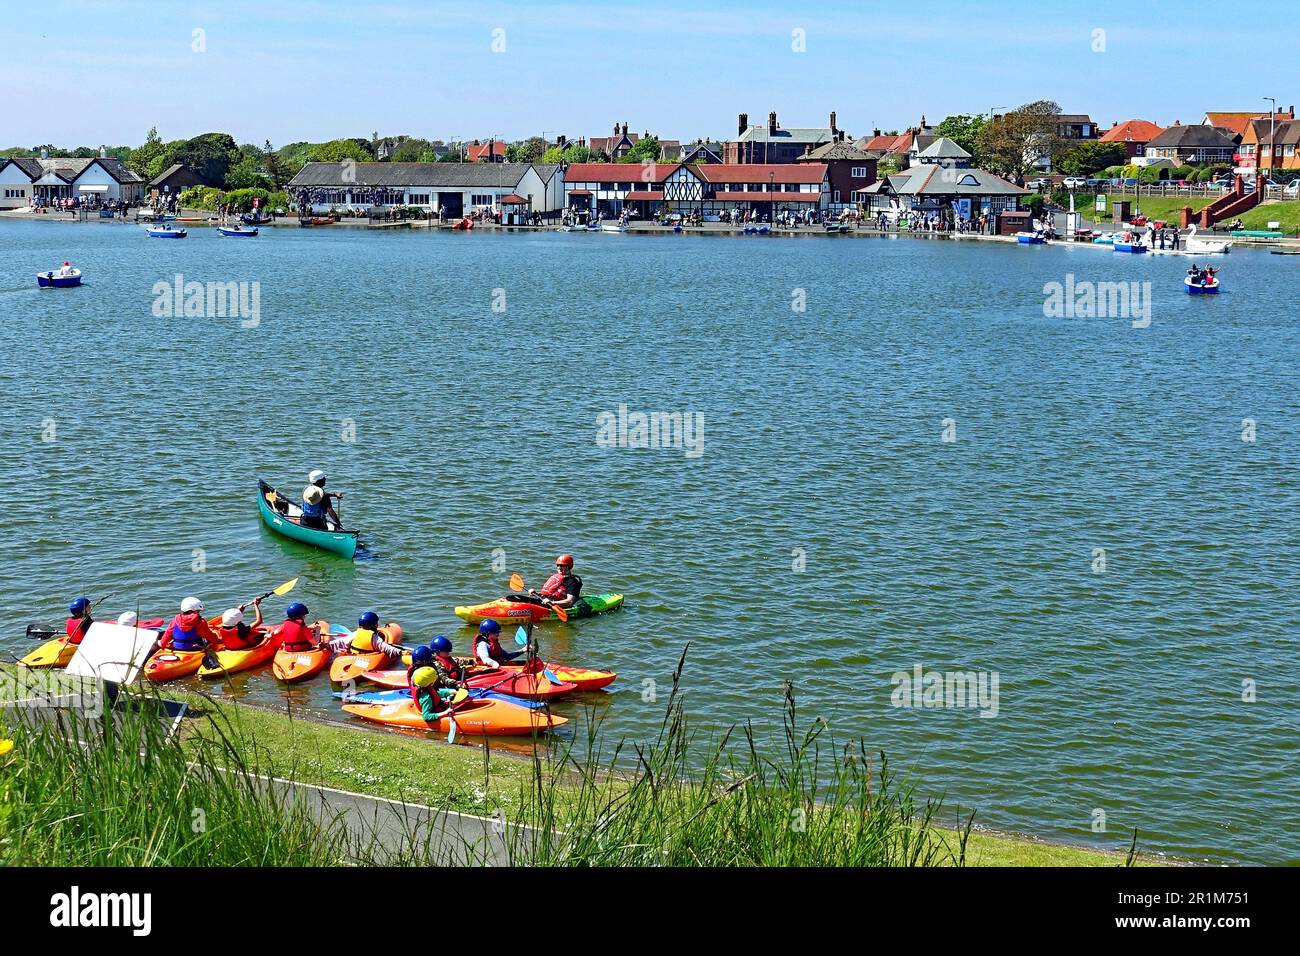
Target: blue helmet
point(422, 654)
point(440, 645)
point(295, 610)
point(489, 627)
point(369, 620)
point(79, 607)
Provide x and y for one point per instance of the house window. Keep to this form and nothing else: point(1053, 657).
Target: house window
point(481, 199)
point(858, 172)
point(837, 196)
point(1288, 150)
point(608, 187)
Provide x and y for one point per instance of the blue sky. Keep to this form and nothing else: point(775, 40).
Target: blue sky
point(321, 69)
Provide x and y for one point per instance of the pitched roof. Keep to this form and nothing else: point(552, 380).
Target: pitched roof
point(1193, 135)
point(69, 168)
point(762, 172)
point(882, 143)
point(1131, 131)
point(618, 172)
point(1285, 132)
point(449, 175)
point(799, 134)
point(944, 148)
point(547, 170)
point(171, 171)
point(1073, 118)
point(476, 152)
point(933, 180)
point(1236, 121)
point(840, 149)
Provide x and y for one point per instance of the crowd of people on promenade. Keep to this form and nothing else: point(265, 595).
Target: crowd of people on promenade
point(75, 204)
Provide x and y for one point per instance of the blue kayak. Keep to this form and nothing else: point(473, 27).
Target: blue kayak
point(396, 696)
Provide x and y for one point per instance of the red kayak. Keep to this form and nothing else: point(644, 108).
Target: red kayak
point(515, 682)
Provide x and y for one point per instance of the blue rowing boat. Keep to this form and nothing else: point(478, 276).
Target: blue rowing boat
point(52, 280)
point(237, 232)
point(165, 232)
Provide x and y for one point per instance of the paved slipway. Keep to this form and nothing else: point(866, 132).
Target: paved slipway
point(827, 534)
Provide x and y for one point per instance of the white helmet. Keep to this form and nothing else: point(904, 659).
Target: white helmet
point(191, 604)
point(312, 495)
point(127, 619)
point(316, 476)
point(232, 617)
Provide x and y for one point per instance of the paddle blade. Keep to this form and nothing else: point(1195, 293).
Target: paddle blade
point(560, 612)
point(460, 695)
point(521, 637)
point(516, 583)
point(451, 729)
point(286, 587)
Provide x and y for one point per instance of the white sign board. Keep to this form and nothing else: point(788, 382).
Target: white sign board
point(1101, 203)
point(113, 652)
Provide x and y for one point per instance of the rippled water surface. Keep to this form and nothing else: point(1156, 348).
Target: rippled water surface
point(823, 431)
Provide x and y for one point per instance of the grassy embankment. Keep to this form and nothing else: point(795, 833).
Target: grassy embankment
point(689, 801)
point(1167, 208)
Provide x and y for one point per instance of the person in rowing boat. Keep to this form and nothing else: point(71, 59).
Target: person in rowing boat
point(318, 504)
point(487, 646)
point(234, 634)
point(561, 589)
point(295, 635)
point(65, 270)
point(79, 620)
point(188, 631)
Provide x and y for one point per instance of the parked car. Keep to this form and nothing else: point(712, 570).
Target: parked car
point(1037, 184)
point(1074, 182)
point(1096, 182)
point(1292, 188)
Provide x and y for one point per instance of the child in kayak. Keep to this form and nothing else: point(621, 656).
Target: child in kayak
point(451, 673)
point(562, 588)
point(487, 646)
point(295, 635)
point(188, 631)
point(234, 634)
point(79, 620)
point(429, 693)
point(367, 639)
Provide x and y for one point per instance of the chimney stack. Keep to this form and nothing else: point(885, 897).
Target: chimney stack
point(103, 152)
point(771, 123)
point(833, 129)
point(624, 129)
point(742, 124)
point(875, 132)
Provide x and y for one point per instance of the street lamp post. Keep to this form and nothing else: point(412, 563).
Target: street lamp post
point(1272, 136)
point(771, 195)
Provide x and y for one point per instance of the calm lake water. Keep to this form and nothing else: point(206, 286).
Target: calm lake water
point(827, 534)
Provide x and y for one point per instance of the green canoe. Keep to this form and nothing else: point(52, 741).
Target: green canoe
point(283, 517)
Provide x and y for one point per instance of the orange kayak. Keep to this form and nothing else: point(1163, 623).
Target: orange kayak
point(350, 667)
point(233, 661)
point(55, 653)
point(293, 666)
point(474, 718)
point(168, 664)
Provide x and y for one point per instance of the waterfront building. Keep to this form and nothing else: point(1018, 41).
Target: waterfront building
point(774, 143)
point(1135, 134)
point(25, 178)
point(175, 179)
point(645, 189)
point(941, 182)
point(459, 188)
point(1270, 144)
point(1192, 144)
point(848, 170)
point(906, 147)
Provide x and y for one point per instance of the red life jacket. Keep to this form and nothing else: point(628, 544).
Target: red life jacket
point(297, 636)
point(237, 638)
point(554, 586)
point(495, 650)
point(77, 628)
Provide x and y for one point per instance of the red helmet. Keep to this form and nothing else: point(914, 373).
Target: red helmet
point(565, 559)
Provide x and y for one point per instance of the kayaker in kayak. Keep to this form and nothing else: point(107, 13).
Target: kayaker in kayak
point(79, 620)
point(451, 673)
point(427, 686)
point(127, 619)
point(562, 588)
point(234, 634)
point(367, 639)
point(296, 636)
point(422, 656)
point(487, 646)
point(188, 631)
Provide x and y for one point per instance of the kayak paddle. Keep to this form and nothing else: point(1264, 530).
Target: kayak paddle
point(517, 584)
point(461, 695)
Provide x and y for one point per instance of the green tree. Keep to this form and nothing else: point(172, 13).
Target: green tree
point(338, 150)
point(1012, 143)
point(964, 130)
point(412, 151)
point(1084, 159)
point(143, 155)
point(646, 148)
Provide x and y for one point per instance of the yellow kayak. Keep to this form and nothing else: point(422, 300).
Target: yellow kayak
point(55, 653)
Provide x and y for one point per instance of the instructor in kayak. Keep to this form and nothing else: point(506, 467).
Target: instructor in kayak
point(561, 589)
point(367, 639)
point(188, 631)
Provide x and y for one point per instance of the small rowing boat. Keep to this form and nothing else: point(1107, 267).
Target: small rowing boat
point(56, 280)
point(166, 232)
point(1198, 286)
point(238, 232)
point(285, 517)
